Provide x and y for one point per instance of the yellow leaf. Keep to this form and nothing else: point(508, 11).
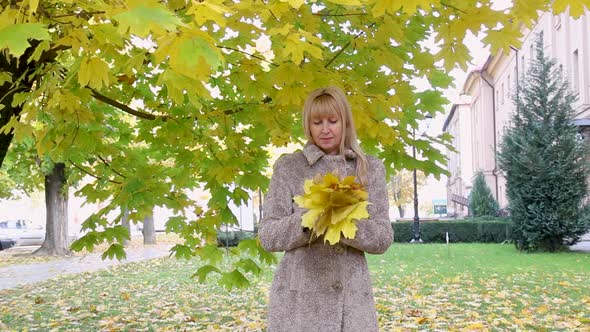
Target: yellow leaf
point(503, 39)
point(385, 6)
point(33, 5)
point(347, 2)
point(93, 73)
point(333, 206)
point(576, 7)
point(294, 3)
point(348, 229)
point(475, 326)
point(192, 53)
point(310, 217)
point(125, 296)
point(210, 10)
point(422, 320)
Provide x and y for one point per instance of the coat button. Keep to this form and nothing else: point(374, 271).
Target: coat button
point(339, 249)
point(337, 286)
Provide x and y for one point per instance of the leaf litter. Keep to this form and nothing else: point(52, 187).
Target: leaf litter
point(160, 295)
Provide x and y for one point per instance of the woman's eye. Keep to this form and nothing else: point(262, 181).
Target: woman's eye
point(317, 122)
point(333, 120)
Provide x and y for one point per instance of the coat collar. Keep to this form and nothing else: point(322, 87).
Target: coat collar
point(313, 153)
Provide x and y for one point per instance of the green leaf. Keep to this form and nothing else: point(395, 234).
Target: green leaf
point(233, 279)
point(118, 233)
point(204, 271)
point(87, 241)
point(248, 265)
point(15, 37)
point(210, 253)
point(181, 251)
point(142, 20)
point(5, 77)
point(440, 79)
point(115, 250)
point(175, 224)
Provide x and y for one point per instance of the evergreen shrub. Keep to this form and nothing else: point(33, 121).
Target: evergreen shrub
point(545, 161)
point(465, 230)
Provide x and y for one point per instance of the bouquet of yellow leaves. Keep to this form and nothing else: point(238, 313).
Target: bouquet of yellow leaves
point(333, 205)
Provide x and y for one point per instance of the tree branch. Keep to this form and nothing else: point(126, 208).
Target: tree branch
point(111, 168)
point(345, 46)
point(451, 6)
point(123, 107)
point(80, 14)
point(87, 172)
point(252, 55)
point(331, 15)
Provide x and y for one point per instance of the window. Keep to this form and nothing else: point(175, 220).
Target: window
point(557, 21)
point(532, 52)
point(522, 65)
point(502, 92)
point(576, 72)
point(508, 84)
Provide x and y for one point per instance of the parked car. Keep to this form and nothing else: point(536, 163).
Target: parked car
point(20, 233)
point(6, 243)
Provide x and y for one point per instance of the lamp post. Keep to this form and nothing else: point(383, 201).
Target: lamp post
point(416, 224)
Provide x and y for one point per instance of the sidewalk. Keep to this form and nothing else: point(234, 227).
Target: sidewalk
point(14, 275)
point(582, 246)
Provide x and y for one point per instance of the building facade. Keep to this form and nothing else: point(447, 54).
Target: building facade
point(478, 126)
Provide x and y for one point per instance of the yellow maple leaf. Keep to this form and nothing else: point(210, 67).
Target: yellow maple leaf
point(93, 72)
point(210, 10)
point(576, 7)
point(294, 3)
point(501, 40)
point(333, 206)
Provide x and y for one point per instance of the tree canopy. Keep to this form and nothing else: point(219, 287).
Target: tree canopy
point(154, 98)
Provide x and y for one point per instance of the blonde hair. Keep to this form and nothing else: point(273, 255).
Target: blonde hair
point(331, 100)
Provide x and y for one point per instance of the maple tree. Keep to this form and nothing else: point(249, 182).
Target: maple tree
point(152, 99)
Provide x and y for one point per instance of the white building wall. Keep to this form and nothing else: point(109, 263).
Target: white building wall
point(565, 39)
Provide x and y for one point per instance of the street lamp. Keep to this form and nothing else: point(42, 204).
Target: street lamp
point(416, 224)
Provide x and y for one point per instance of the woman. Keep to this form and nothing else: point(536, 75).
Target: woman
point(319, 287)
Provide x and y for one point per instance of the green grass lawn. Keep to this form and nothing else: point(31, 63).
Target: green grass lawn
point(417, 287)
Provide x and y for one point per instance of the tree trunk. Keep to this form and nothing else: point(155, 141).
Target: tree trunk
point(125, 223)
point(401, 210)
point(149, 230)
point(56, 202)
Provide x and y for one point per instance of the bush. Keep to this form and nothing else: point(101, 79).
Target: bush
point(232, 238)
point(467, 230)
point(481, 199)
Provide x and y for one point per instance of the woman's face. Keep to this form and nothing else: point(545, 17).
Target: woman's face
point(326, 132)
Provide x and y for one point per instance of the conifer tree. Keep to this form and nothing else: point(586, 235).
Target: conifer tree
point(481, 200)
point(544, 159)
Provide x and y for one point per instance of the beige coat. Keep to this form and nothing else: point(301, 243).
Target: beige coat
point(319, 287)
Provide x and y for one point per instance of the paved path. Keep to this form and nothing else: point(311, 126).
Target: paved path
point(583, 246)
point(35, 272)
